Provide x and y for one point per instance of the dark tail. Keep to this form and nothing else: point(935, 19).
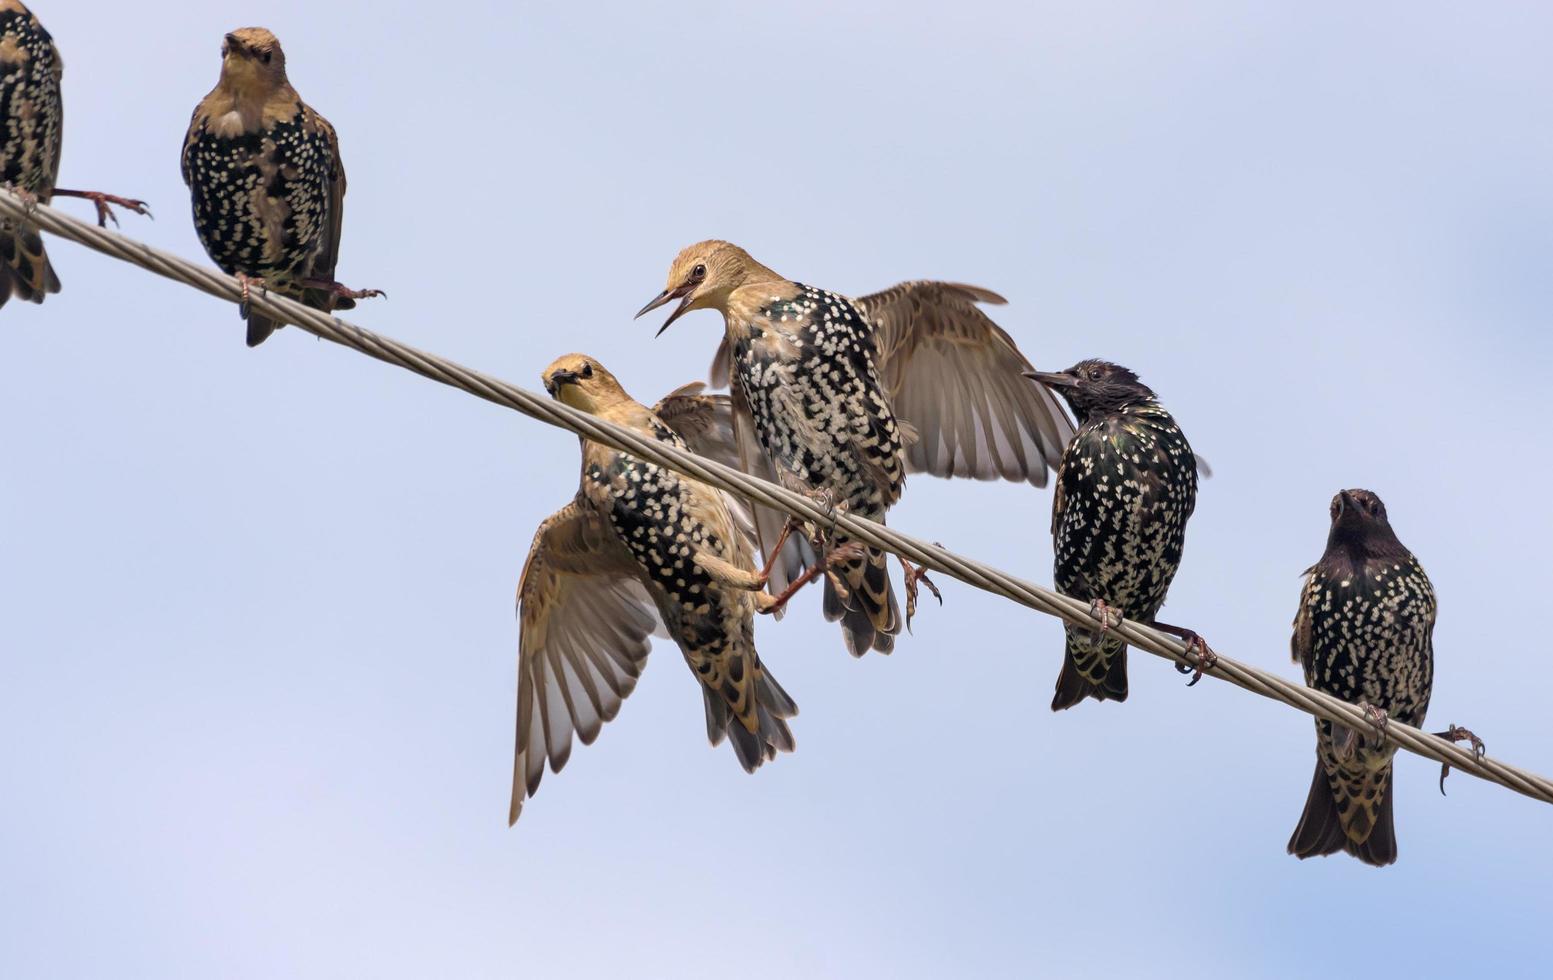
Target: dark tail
point(25, 270)
point(870, 618)
point(1096, 671)
point(1320, 830)
point(773, 707)
point(260, 327)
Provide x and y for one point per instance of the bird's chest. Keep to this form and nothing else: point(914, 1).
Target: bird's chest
point(804, 367)
point(652, 514)
point(261, 199)
point(1126, 493)
point(30, 99)
point(1371, 636)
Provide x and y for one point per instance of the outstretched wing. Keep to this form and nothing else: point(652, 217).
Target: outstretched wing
point(584, 620)
point(957, 378)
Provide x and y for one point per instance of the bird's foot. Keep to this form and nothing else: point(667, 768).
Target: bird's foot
point(1349, 743)
point(102, 201)
point(1456, 733)
point(1101, 613)
point(247, 284)
point(1203, 657)
point(851, 551)
point(914, 575)
point(340, 290)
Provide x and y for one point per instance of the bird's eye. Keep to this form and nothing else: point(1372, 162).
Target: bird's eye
point(587, 370)
point(1094, 374)
point(699, 272)
point(265, 57)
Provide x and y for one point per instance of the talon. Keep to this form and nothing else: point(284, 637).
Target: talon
point(1098, 610)
point(1376, 717)
point(1206, 658)
point(914, 575)
point(1453, 734)
point(100, 201)
point(247, 282)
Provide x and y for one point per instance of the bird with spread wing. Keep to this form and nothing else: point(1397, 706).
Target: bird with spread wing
point(641, 551)
point(840, 399)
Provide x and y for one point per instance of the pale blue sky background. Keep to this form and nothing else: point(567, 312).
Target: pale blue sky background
point(256, 638)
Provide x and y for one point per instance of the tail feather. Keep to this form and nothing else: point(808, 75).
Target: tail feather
point(772, 709)
point(25, 270)
point(870, 617)
point(260, 328)
point(1322, 830)
point(1096, 671)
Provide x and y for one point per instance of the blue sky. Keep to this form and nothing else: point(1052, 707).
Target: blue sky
point(257, 651)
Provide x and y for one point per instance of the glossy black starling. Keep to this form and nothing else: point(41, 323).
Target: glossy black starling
point(822, 386)
point(1364, 633)
point(1125, 488)
point(30, 70)
point(266, 180)
point(641, 550)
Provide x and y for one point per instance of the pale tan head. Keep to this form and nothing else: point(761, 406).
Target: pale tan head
point(252, 62)
point(704, 275)
point(582, 382)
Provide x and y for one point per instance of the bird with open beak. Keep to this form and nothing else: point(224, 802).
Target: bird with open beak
point(840, 399)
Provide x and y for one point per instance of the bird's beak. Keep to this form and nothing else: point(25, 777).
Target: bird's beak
point(664, 297)
point(1345, 503)
point(1053, 379)
point(233, 45)
point(558, 380)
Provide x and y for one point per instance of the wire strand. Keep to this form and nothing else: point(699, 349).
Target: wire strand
point(932, 556)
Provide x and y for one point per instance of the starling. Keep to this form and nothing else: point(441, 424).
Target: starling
point(1364, 633)
point(30, 70)
point(840, 399)
point(640, 550)
point(1125, 488)
point(266, 180)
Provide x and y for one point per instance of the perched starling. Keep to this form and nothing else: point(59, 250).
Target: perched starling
point(1125, 488)
point(267, 183)
point(30, 69)
point(640, 550)
point(1364, 633)
point(839, 399)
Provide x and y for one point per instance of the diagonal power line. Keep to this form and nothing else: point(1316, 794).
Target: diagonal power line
point(932, 556)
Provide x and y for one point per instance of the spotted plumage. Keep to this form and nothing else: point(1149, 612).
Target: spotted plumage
point(30, 69)
point(640, 548)
point(1125, 488)
point(1364, 633)
point(816, 379)
point(266, 180)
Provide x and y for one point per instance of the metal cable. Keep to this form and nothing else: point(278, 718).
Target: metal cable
point(931, 556)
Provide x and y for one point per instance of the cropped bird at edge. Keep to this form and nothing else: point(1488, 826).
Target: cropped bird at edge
point(641, 550)
point(267, 184)
point(30, 71)
point(1364, 633)
point(1126, 485)
point(839, 399)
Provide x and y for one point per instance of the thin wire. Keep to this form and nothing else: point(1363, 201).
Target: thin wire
point(931, 556)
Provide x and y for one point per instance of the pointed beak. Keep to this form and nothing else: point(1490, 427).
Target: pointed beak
point(556, 381)
point(1053, 379)
point(233, 45)
point(662, 298)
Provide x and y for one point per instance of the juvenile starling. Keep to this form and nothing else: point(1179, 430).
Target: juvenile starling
point(30, 70)
point(267, 183)
point(1125, 488)
point(640, 550)
point(839, 399)
point(1364, 633)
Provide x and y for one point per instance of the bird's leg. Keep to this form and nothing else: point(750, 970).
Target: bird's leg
point(776, 551)
point(850, 551)
point(913, 576)
point(247, 283)
point(1456, 733)
point(1101, 612)
point(101, 200)
point(1195, 646)
point(340, 290)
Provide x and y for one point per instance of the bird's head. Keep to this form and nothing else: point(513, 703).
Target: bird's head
point(252, 61)
point(1360, 526)
point(1095, 387)
point(581, 382)
point(703, 276)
